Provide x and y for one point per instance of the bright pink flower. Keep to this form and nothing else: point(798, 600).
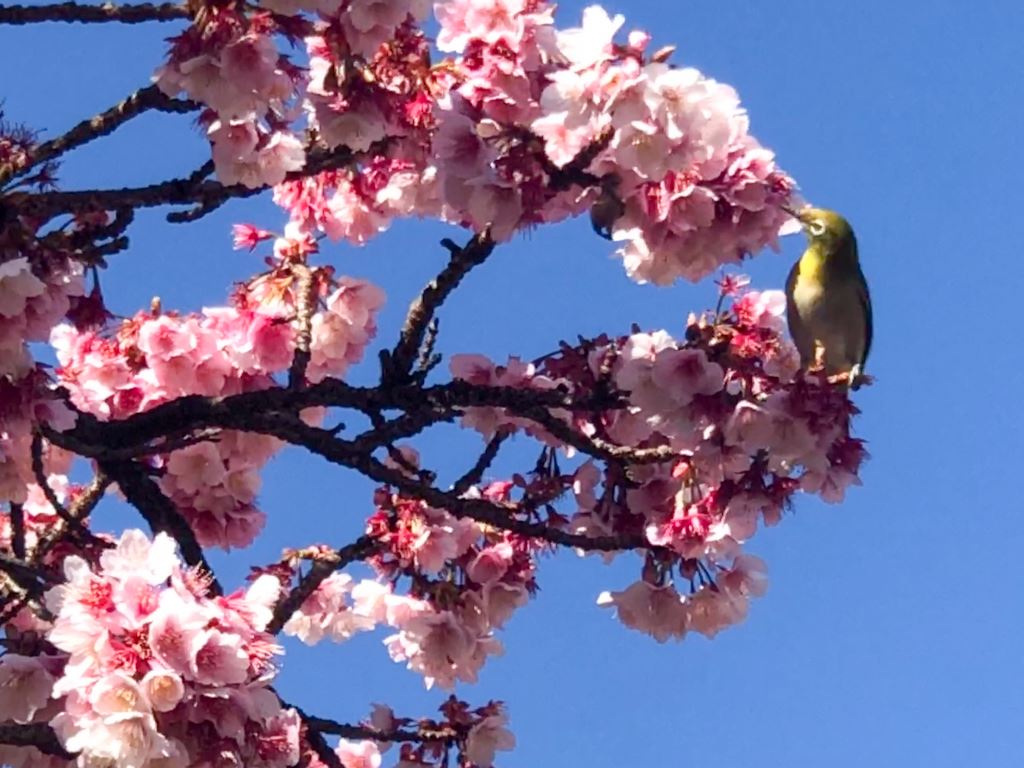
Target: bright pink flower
point(249, 236)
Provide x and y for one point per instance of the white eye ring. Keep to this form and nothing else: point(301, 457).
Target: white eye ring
point(816, 228)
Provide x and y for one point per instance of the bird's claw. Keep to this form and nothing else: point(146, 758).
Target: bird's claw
point(838, 378)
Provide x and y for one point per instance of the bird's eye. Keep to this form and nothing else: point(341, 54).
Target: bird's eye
point(816, 228)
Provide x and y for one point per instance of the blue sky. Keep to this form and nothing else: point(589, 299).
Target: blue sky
point(890, 633)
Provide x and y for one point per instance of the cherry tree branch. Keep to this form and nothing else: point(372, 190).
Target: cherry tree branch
point(205, 195)
point(104, 123)
point(475, 473)
point(38, 735)
point(348, 731)
point(18, 530)
point(44, 484)
point(145, 495)
point(396, 366)
point(80, 510)
point(322, 567)
point(93, 438)
point(337, 451)
point(106, 12)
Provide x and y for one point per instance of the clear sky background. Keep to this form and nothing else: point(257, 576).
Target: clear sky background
point(891, 633)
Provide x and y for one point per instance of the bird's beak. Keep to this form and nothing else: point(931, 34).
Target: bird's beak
point(794, 213)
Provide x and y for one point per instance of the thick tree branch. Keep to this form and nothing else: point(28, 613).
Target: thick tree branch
point(96, 439)
point(424, 406)
point(145, 495)
point(38, 735)
point(76, 12)
point(18, 530)
point(206, 195)
point(24, 574)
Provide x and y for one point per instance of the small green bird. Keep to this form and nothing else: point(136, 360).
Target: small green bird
point(827, 302)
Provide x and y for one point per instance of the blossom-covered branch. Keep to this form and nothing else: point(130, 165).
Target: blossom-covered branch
point(102, 124)
point(669, 447)
point(324, 564)
point(129, 13)
point(199, 191)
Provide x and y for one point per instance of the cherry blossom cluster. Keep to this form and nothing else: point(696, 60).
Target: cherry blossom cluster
point(228, 61)
point(26, 688)
point(42, 523)
point(25, 403)
point(155, 357)
point(159, 672)
point(380, 108)
point(526, 124)
point(40, 284)
point(365, 80)
point(744, 430)
point(689, 188)
point(35, 294)
point(464, 581)
point(478, 734)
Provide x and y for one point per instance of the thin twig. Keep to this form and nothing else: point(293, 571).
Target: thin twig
point(348, 731)
point(322, 567)
point(104, 123)
point(396, 366)
point(23, 579)
point(476, 472)
point(385, 433)
point(80, 510)
point(323, 443)
point(427, 360)
point(314, 737)
point(39, 470)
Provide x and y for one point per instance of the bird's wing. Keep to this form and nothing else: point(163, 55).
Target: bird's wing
point(797, 327)
point(865, 301)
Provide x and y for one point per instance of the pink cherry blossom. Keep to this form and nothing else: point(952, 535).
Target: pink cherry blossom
point(358, 754)
point(326, 613)
point(17, 286)
point(487, 737)
point(25, 687)
point(657, 611)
